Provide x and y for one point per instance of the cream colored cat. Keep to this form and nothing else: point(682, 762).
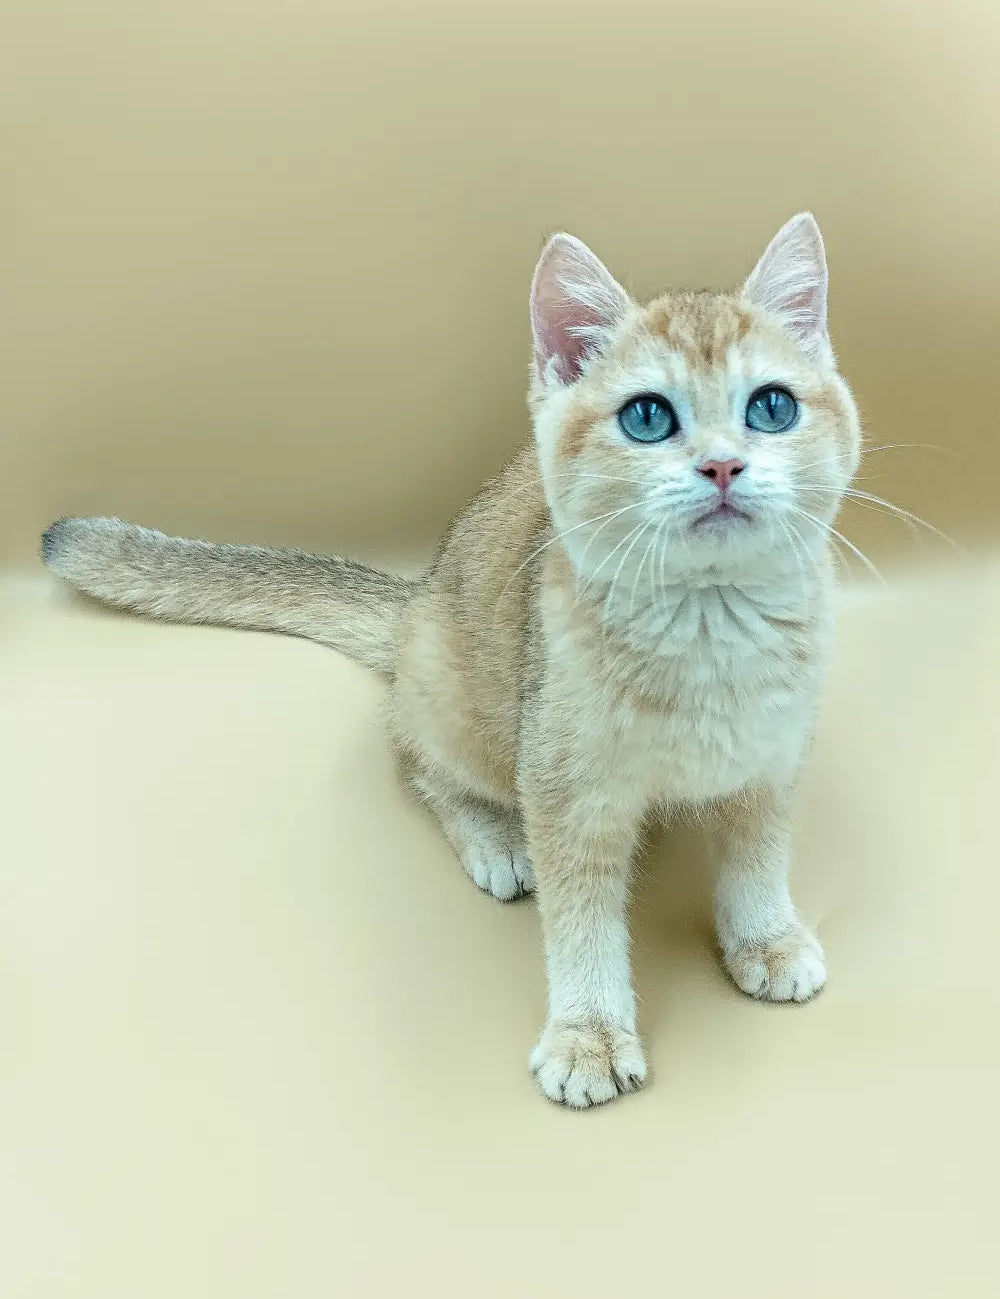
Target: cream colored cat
point(634, 616)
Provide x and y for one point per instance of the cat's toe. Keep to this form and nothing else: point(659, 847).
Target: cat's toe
point(580, 1065)
point(789, 968)
point(505, 875)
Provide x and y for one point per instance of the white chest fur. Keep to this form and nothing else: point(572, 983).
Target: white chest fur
point(735, 670)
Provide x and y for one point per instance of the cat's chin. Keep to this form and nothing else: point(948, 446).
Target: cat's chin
point(723, 517)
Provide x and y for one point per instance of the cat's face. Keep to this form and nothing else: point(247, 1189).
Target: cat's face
point(716, 423)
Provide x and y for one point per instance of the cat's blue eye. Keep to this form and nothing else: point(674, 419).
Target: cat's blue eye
point(648, 419)
point(772, 410)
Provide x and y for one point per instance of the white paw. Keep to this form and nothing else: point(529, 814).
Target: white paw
point(506, 874)
point(790, 968)
point(587, 1064)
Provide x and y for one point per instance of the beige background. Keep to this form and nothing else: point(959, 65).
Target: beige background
point(265, 265)
point(263, 275)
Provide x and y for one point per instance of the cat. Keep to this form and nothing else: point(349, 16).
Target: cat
point(634, 616)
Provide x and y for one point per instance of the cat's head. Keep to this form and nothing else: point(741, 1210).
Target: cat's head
point(717, 423)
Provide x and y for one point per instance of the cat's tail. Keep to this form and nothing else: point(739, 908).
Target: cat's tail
point(337, 602)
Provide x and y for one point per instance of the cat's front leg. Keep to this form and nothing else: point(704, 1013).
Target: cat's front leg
point(581, 839)
point(767, 950)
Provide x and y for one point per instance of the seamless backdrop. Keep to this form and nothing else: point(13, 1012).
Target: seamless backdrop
point(263, 276)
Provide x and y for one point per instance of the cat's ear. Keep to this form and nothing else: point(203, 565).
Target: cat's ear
point(575, 303)
point(790, 281)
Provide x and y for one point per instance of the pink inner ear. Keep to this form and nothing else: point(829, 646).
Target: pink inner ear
point(563, 332)
point(790, 279)
point(575, 301)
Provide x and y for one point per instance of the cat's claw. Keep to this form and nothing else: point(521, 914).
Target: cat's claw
point(580, 1065)
point(789, 968)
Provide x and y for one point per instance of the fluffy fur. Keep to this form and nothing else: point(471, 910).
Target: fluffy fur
point(592, 640)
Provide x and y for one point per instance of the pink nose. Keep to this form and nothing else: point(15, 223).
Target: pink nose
point(721, 472)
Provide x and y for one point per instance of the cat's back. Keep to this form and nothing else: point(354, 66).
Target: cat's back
point(501, 522)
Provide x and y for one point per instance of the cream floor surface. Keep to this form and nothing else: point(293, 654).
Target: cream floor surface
point(263, 1038)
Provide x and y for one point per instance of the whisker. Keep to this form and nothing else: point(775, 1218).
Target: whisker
point(658, 592)
point(636, 532)
point(858, 478)
point(835, 549)
point(812, 558)
point(590, 541)
point(580, 473)
point(642, 565)
point(892, 446)
point(584, 586)
point(879, 502)
point(832, 531)
point(605, 478)
point(663, 562)
point(785, 527)
point(911, 446)
point(611, 514)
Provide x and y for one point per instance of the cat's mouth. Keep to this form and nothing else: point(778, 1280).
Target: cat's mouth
point(722, 514)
